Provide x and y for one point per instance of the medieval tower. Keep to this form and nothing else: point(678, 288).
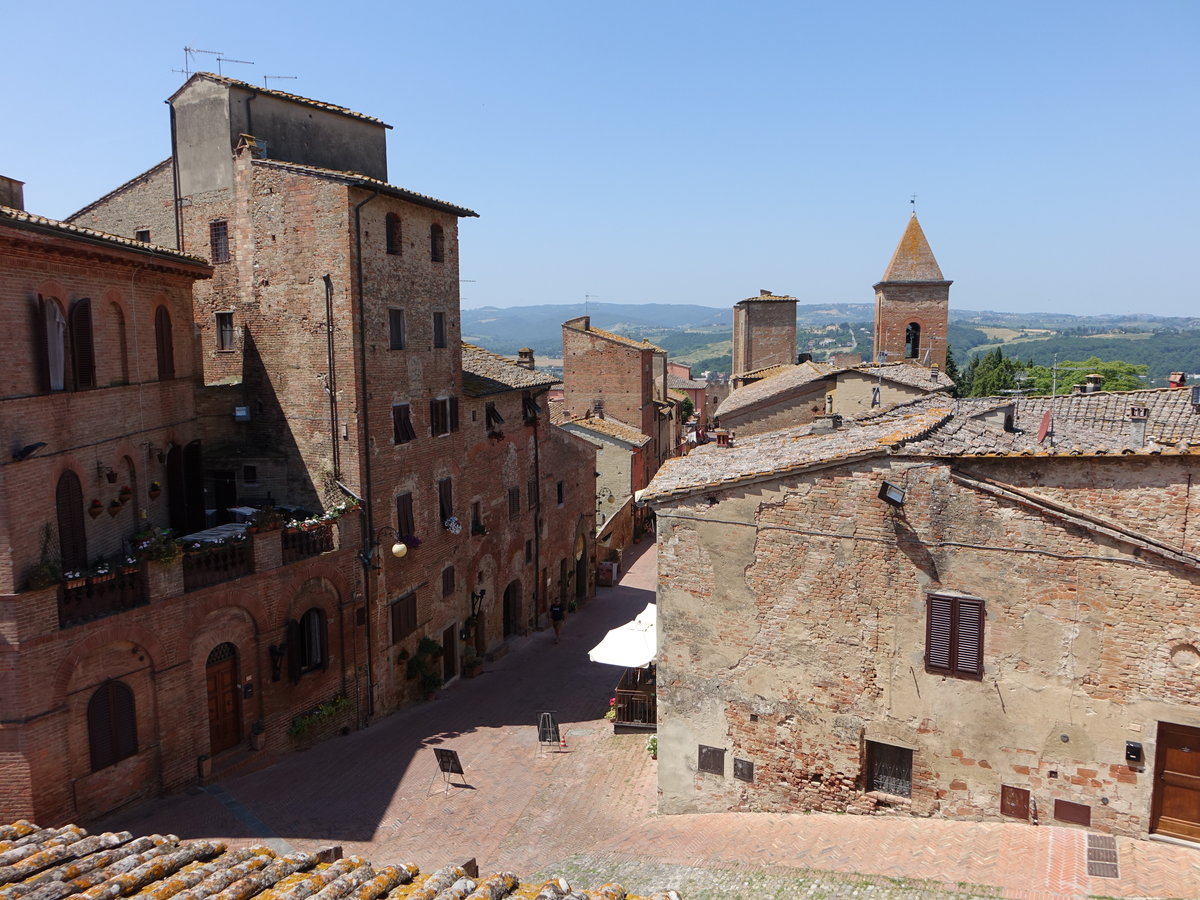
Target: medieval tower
point(912, 303)
point(764, 332)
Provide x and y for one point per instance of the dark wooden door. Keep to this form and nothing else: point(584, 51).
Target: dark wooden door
point(1175, 809)
point(224, 707)
point(512, 609)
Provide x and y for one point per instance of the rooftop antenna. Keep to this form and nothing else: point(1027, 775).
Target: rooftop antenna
point(241, 62)
point(267, 78)
point(189, 57)
point(586, 298)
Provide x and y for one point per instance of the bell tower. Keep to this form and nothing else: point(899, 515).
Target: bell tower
point(912, 304)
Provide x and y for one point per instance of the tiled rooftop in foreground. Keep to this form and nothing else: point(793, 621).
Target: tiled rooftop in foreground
point(57, 863)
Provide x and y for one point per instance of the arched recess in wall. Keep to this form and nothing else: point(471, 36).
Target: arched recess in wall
point(121, 336)
point(164, 343)
point(129, 480)
point(72, 532)
point(912, 340)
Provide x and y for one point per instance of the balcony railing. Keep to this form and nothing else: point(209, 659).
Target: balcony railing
point(303, 543)
point(215, 565)
point(83, 600)
point(637, 701)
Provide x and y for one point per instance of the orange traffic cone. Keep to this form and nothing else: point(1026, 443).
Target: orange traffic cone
point(562, 742)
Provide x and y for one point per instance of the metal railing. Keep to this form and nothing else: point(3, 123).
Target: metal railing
point(304, 543)
point(216, 564)
point(83, 600)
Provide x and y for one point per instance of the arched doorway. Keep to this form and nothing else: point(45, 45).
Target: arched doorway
point(224, 698)
point(512, 609)
point(912, 341)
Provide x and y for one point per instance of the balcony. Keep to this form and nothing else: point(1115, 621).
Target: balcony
point(85, 599)
point(213, 565)
point(302, 543)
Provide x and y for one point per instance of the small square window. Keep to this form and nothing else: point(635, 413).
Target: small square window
point(889, 769)
point(402, 427)
point(143, 235)
point(403, 615)
point(395, 329)
point(439, 330)
point(225, 331)
point(249, 474)
point(447, 581)
point(711, 760)
point(743, 770)
point(218, 241)
point(514, 502)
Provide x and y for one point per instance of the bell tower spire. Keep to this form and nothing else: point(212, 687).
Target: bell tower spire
point(912, 303)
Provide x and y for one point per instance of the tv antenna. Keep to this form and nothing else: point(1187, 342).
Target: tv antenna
point(241, 62)
point(586, 298)
point(189, 59)
point(267, 78)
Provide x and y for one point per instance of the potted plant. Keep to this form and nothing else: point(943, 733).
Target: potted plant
point(268, 519)
point(45, 572)
point(204, 765)
point(156, 544)
point(472, 664)
point(128, 565)
point(124, 494)
point(102, 571)
point(73, 579)
point(258, 734)
point(652, 746)
point(95, 508)
point(114, 507)
point(155, 490)
point(422, 667)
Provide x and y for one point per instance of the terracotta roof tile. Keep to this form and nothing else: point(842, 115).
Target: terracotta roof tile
point(767, 297)
point(780, 380)
point(53, 864)
point(486, 373)
point(913, 259)
point(282, 95)
point(906, 373)
point(618, 338)
point(367, 181)
point(678, 383)
point(607, 426)
point(21, 219)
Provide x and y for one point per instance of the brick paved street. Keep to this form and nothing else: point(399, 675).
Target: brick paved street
point(589, 812)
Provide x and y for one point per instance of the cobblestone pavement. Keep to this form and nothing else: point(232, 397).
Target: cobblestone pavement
point(587, 811)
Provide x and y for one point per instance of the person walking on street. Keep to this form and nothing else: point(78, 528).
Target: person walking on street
point(556, 618)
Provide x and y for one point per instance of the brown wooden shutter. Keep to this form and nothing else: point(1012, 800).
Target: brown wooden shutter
point(112, 725)
point(968, 648)
point(41, 349)
point(294, 639)
point(434, 411)
point(454, 414)
point(72, 534)
point(445, 498)
point(405, 526)
point(1014, 802)
point(83, 353)
point(938, 629)
point(124, 720)
point(164, 344)
point(99, 719)
point(397, 431)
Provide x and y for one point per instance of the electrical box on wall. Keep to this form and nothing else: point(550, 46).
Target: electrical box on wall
point(241, 414)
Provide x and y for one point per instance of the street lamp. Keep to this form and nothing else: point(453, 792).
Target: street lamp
point(399, 548)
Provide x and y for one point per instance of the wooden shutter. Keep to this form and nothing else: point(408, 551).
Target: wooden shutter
point(454, 414)
point(445, 498)
point(396, 329)
point(968, 646)
point(164, 344)
point(405, 526)
point(112, 725)
point(72, 535)
point(294, 639)
point(1014, 802)
point(124, 720)
point(939, 624)
point(99, 719)
point(435, 410)
point(397, 430)
point(83, 352)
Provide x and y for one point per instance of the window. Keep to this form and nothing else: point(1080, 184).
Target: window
point(889, 769)
point(445, 498)
point(394, 244)
point(492, 417)
point(122, 346)
point(443, 415)
point(529, 408)
point(403, 613)
point(225, 331)
point(112, 725)
point(218, 241)
point(143, 235)
point(405, 527)
point(561, 492)
point(954, 636)
point(477, 518)
point(912, 341)
point(249, 474)
point(514, 502)
point(164, 344)
point(402, 428)
point(711, 760)
point(1014, 802)
point(533, 493)
point(72, 536)
point(447, 581)
point(743, 770)
point(310, 635)
point(529, 551)
point(395, 329)
point(439, 330)
point(53, 327)
point(83, 354)
point(437, 243)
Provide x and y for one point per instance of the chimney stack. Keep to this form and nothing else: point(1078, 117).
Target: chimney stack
point(1177, 380)
point(724, 438)
point(525, 358)
point(826, 424)
point(1138, 417)
point(12, 193)
point(1093, 383)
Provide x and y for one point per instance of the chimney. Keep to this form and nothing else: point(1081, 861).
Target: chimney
point(802, 358)
point(12, 193)
point(826, 424)
point(1093, 383)
point(1078, 388)
point(724, 438)
point(763, 293)
point(1138, 417)
point(1177, 380)
point(933, 372)
point(525, 358)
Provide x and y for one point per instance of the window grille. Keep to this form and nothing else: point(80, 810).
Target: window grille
point(218, 241)
point(889, 769)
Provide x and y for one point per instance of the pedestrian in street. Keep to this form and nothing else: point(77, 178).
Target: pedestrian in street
point(556, 618)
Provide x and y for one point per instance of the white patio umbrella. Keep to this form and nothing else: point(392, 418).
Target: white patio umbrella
point(632, 645)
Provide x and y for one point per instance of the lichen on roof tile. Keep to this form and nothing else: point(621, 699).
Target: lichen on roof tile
point(485, 373)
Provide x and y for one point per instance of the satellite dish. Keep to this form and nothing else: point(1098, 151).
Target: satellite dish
point(1044, 428)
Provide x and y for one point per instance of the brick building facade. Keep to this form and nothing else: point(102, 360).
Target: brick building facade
point(932, 611)
point(764, 332)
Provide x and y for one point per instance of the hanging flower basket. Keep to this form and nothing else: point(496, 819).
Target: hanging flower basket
point(114, 507)
point(95, 508)
point(452, 525)
point(124, 494)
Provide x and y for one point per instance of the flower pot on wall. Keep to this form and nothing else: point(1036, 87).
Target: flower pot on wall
point(95, 508)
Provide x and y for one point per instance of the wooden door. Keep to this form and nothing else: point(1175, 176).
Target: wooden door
point(1175, 809)
point(224, 696)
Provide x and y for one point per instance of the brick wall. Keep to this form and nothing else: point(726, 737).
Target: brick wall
point(146, 203)
point(899, 303)
point(794, 618)
point(764, 334)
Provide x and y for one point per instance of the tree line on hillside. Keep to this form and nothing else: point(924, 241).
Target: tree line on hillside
point(993, 374)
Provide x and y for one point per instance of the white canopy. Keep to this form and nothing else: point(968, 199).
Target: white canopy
point(632, 645)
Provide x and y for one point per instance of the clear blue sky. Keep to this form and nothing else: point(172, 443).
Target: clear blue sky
point(693, 151)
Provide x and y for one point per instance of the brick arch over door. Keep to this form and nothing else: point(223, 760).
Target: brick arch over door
point(144, 640)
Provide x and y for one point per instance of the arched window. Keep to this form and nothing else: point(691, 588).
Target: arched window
point(437, 243)
point(72, 537)
point(393, 234)
point(112, 725)
point(912, 341)
point(83, 353)
point(118, 318)
point(164, 344)
point(306, 644)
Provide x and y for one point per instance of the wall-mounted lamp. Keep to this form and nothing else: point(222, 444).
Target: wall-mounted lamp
point(891, 493)
point(27, 451)
point(158, 452)
point(106, 471)
point(476, 604)
point(399, 548)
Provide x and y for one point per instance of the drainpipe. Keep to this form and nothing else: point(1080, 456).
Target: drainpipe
point(332, 384)
point(368, 535)
point(176, 200)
